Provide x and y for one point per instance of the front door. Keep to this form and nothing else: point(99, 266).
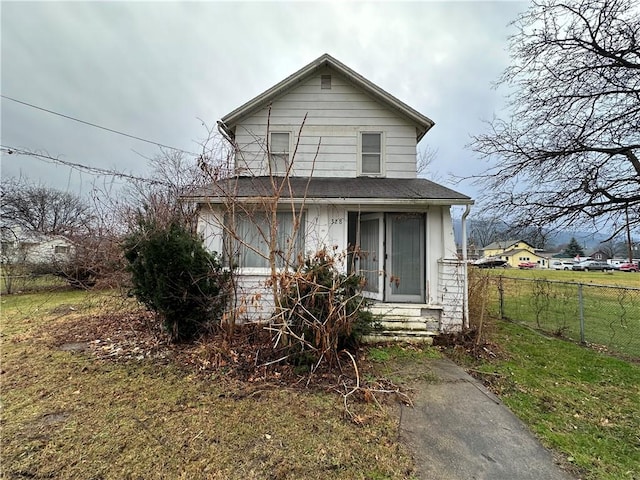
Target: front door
point(405, 253)
point(371, 254)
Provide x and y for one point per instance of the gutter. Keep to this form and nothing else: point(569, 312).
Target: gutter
point(411, 204)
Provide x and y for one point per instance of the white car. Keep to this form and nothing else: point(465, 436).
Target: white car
point(562, 265)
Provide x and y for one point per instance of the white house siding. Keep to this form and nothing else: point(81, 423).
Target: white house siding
point(45, 252)
point(334, 119)
point(451, 293)
point(326, 227)
point(38, 249)
point(210, 228)
point(449, 273)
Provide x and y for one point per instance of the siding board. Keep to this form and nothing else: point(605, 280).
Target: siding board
point(334, 120)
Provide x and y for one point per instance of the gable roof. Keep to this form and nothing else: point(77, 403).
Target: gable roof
point(424, 123)
point(504, 244)
point(515, 251)
point(402, 190)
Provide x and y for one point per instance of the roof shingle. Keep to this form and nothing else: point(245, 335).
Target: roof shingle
point(332, 188)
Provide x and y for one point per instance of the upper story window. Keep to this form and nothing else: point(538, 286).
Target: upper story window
point(371, 153)
point(325, 82)
point(279, 153)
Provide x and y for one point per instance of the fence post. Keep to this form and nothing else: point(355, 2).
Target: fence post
point(501, 296)
point(581, 312)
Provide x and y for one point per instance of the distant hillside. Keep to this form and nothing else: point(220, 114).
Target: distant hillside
point(588, 240)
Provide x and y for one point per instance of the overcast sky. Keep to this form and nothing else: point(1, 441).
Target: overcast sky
point(155, 70)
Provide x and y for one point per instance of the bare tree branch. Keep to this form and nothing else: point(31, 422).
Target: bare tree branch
point(568, 151)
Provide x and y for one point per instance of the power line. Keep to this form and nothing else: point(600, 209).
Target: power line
point(77, 166)
point(96, 126)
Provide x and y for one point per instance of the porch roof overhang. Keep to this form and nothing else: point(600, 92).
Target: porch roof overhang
point(324, 190)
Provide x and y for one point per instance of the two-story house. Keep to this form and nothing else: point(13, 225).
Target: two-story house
point(515, 252)
point(341, 154)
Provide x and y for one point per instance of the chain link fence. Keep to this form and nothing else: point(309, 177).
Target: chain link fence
point(606, 317)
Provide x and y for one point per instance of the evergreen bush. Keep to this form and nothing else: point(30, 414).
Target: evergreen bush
point(174, 276)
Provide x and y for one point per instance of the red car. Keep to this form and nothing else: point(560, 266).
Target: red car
point(628, 267)
point(524, 265)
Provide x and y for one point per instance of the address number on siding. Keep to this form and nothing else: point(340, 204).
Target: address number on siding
point(337, 221)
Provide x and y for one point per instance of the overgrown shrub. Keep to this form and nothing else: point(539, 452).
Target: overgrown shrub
point(173, 275)
point(324, 308)
point(96, 262)
point(481, 320)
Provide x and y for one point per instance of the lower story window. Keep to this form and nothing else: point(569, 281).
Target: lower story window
point(249, 243)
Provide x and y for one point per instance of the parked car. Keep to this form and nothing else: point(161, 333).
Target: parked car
point(628, 267)
point(524, 265)
point(490, 262)
point(562, 265)
point(594, 265)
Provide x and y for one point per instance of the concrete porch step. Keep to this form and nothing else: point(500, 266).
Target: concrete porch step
point(405, 310)
point(405, 322)
point(383, 336)
point(410, 324)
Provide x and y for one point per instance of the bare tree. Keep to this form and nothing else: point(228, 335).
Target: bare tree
point(486, 230)
point(608, 248)
point(40, 209)
point(172, 175)
point(568, 151)
point(267, 227)
point(425, 158)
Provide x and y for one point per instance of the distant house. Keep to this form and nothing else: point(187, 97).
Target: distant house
point(342, 153)
point(27, 248)
point(599, 255)
point(515, 252)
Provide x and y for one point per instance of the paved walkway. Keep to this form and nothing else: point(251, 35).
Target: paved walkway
point(459, 430)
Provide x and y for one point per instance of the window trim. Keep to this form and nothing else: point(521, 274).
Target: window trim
point(273, 155)
point(382, 171)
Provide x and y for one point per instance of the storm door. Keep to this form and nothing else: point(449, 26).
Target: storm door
point(371, 254)
point(405, 252)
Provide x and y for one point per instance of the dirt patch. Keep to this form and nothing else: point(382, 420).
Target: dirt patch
point(65, 309)
point(248, 355)
point(75, 346)
point(466, 344)
point(53, 418)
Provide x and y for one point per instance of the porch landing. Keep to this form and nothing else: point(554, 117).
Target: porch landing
point(405, 322)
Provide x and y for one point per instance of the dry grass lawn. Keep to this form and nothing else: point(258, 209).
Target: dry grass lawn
point(84, 396)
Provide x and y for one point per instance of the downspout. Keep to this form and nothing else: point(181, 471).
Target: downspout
point(465, 275)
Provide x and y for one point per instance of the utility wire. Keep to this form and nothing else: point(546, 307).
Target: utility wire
point(96, 126)
point(77, 166)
